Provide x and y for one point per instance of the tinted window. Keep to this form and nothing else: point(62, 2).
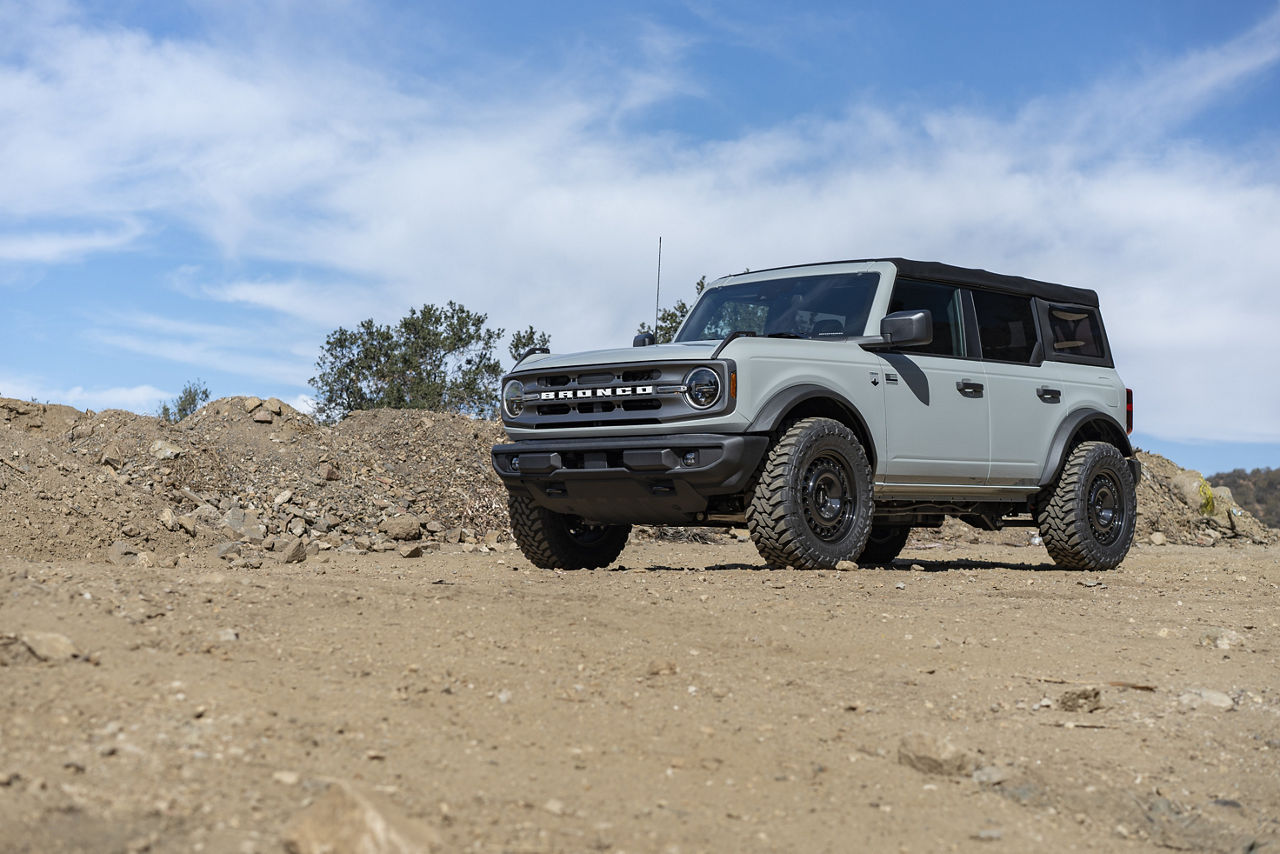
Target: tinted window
point(1075, 331)
point(797, 306)
point(943, 302)
point(1006, 325)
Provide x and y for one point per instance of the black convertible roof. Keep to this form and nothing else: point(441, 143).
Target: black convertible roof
point(938, 272)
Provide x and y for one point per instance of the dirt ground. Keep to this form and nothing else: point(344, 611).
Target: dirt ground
point(970, 698)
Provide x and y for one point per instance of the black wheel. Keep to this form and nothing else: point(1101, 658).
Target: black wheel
point(554, 541)
point(812, 506)
point(1087, 517)
point(884, 544)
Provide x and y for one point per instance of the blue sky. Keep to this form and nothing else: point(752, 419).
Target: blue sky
point(207, 189)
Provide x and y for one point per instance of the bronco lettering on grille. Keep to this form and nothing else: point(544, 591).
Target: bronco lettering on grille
point(594, 393)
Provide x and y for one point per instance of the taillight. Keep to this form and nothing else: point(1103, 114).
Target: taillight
point(1128, 410)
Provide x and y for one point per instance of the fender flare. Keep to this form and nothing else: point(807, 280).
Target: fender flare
point(770, 416)
point(1071, 426)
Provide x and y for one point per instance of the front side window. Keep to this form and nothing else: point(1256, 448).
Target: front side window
point(829, 306)
point(943, 302)
point(1006, 326)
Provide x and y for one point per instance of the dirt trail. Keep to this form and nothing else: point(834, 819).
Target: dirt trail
point(686, 700)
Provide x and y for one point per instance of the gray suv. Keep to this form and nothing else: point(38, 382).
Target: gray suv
point(831, 408)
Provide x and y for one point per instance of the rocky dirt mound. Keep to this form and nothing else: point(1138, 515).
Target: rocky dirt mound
point(241, 477)
point(244, 477)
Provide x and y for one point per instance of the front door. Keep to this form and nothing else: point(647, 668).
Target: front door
point(936, 414)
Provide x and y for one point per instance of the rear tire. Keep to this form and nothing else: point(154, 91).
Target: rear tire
point(812, 505)
point(1087, 517)
point(884, 544)
point(553, 540)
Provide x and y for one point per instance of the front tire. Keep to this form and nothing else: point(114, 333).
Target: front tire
point(884, 544)
point(812, 506)
point(553, 540)
point(1087, 517)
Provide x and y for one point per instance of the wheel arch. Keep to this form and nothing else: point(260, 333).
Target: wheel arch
point(1085, 425)
point(814, 401)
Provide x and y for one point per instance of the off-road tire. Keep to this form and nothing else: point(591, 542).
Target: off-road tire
point(812, 506)
point(553, 540)
point(884, 543)
point(1087, 517)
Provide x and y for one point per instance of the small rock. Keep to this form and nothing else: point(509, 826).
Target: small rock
point(328, 471)
point(846, 566)
point(404, 527)
point(345, 820)
point(555, 806)
point(273, 405)
point(1198, 697)
point(235, 519)
point(111, 456)
point(990, 775)
point(164, 450)
point(291, 550)
point(227, 551)
point(931, 754)
point(1221, 638)
point(262, 415)
point(50, 646)
point(131, 530)
point(227, 635)
point(283, 498)
point(122, 554)
point(188, 524)
point(490, 539)
point(286, 778)
point(1158, 539)
point(434, 527)
point(1081, 700)
point(252, 403)
point(412, 551)
point(169, 519)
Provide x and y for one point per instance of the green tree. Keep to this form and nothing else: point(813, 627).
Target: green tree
point(669, 319)
point(193, 394)
point(525, 339)
point(433, 358)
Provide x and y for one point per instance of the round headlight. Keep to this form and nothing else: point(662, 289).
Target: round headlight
point(513, 398)
point(702, 388)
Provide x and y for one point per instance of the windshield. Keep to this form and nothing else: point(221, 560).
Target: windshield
point(828, 306)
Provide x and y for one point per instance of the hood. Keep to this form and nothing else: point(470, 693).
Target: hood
point(657, 353)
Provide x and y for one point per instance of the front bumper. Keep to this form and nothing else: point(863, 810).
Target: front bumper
point(651, 480)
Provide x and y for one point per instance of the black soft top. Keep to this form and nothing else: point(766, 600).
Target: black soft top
point(938, 272)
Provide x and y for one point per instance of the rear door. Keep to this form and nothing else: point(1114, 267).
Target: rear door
point(936, 414)
point(1026, 404)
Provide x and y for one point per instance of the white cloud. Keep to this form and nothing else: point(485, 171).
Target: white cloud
point(49, 247)
point(140, 398)
point(542, 209)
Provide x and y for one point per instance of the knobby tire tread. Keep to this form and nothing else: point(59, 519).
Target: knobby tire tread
point(1064, 524)
point(773, 505)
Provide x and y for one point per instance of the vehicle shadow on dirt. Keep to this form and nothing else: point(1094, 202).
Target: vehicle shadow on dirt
point(896, 566)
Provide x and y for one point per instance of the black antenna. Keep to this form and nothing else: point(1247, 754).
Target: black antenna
point(657, 297)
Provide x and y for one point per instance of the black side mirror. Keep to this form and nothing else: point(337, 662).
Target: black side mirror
point(907, 328)
point(644, 339)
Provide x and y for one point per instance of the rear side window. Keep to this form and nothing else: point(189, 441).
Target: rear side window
point(1075, 332)
point(943, 302)
point(1006, 326)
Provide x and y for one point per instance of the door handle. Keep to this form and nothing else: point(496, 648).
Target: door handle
point(1049, 395)
point(969, 388)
